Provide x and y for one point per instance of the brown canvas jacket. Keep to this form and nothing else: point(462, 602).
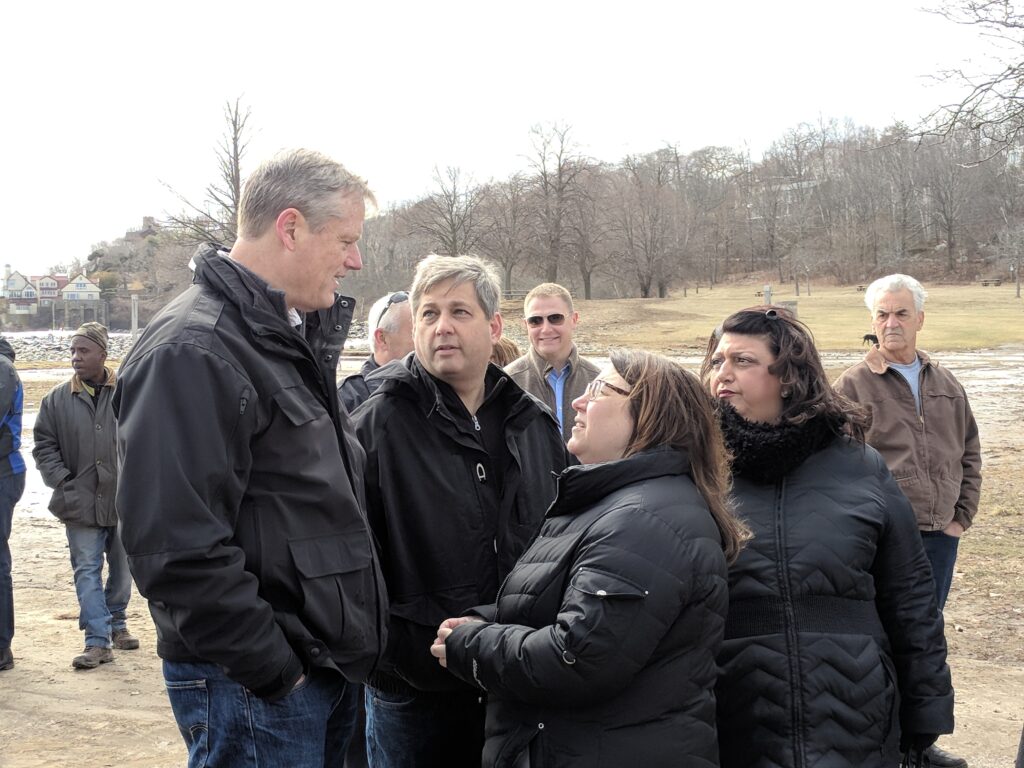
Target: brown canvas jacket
point(531, 370)
point(935, 456)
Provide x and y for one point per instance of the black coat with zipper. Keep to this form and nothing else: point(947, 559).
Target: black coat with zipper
point(447, 536)
point(834, 641)
point(602, 647)
point(240, 492)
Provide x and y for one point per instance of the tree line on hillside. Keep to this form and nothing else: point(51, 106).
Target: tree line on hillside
point(827, 201)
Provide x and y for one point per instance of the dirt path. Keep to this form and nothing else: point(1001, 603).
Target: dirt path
point(118, 715)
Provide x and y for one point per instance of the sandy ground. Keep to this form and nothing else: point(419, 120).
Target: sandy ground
point(118, 715)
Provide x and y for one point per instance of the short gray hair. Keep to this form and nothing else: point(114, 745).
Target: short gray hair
point(436, 269)
point(892, 284)
point(378, 318)
point(302, 179)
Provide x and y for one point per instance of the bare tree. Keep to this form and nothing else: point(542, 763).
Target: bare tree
point(589, 231)
point(507, 215)
point(450, 218)
point(993, 106)
point(556, 166)
point(215, 219)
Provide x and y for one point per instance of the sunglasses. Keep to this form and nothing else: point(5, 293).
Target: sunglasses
point(597, 386)
point(536, 321)
point(394, 298)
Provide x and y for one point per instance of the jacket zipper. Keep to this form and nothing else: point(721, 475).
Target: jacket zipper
point(792, 639)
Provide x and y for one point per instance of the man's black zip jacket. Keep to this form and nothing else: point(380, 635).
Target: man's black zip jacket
point(240, 494)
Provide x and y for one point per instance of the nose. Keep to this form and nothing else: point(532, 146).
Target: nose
point(891, 321)
point(443, 326)
point(354, 259)
point(580, 403)
point(724, 372)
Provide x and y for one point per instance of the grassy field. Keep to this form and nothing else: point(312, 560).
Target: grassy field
point(957, 317)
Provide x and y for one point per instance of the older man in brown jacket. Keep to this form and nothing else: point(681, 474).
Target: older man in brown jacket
point(923, 426)
point(75, 451)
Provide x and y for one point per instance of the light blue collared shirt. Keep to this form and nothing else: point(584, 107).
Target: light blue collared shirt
point(557, 381)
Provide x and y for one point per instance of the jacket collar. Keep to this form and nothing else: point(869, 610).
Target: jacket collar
point(409, 379)
point(542, 366)
point(78, 386)
point(583, 485)
point(263, 307)
point(877, 363)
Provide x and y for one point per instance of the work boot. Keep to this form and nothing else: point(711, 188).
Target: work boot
point(6, 659)
point(940, 758)
point(93, 657)
point(124, 640)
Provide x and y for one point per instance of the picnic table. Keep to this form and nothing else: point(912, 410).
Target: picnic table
point(991, 281)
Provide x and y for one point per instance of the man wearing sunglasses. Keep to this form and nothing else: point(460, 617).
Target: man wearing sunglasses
point(552, 370)
point(390, 335)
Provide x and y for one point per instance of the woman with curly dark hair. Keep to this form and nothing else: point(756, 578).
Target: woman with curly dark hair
point(834, 652)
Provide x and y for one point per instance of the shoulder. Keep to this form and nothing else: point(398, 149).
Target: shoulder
point(519, 366)
point(589, 367)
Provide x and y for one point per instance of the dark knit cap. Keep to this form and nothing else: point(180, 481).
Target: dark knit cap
point(94, 332)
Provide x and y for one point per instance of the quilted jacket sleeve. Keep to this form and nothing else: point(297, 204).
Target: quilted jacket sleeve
point(629, 579)
point(905, 596)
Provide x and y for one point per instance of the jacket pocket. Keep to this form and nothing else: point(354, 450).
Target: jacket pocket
point(337, 583)
point(66, 505)
point(296, 405)
point(604, 584)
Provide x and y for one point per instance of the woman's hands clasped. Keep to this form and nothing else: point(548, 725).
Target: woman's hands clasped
point(437, 648)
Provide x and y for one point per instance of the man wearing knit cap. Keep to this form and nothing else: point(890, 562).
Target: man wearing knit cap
point(76, 453)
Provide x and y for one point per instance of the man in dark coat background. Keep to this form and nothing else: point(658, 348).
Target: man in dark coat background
point(76, 454)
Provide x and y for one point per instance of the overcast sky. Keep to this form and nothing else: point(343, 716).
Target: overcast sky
point(102, 102)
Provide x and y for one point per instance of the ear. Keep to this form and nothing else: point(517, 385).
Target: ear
point(496, 326)
point(286, 227)
point(920, 320)
point(379, 339)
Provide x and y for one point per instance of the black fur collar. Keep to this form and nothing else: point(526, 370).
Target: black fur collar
point(764, 453)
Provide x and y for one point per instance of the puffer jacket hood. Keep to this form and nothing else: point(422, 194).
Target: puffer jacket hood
point(6, 349)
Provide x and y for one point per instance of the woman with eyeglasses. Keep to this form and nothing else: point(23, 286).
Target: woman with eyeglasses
point(834, 652)
point(601, 647)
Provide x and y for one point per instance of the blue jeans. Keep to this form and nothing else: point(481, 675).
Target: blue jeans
point(424, 729)
point(101, 609)
point(941, 550)
point(227, 726)
point(11, 488)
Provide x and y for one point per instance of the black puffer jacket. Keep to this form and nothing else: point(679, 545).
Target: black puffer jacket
point(447, 538)
point(239, 493)
point(603, 650)
point(833, 642)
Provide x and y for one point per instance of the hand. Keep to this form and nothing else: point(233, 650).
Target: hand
point(437, 650)
point(954, 529)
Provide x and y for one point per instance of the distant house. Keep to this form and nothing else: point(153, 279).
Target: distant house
point(48, 288)
point(21, 295)
point(81, 288)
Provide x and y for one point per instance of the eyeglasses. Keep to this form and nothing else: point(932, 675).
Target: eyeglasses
point(536, 321)
point(394, 298)
point(597, 386)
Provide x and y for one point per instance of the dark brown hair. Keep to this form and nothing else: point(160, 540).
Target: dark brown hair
point(797, 366)
point(670, 407)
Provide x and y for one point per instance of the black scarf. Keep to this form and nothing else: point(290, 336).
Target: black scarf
point(764, 453)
